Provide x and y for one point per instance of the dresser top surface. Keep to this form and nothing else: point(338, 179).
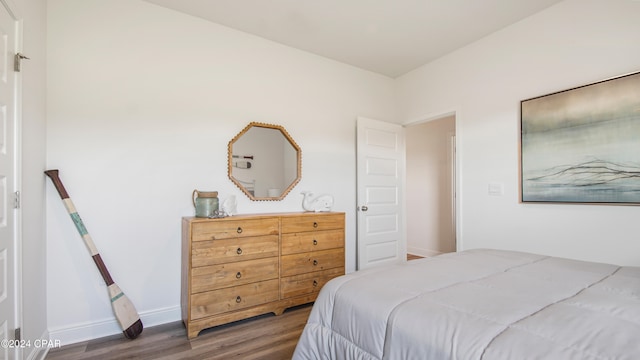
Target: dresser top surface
point(254, 216)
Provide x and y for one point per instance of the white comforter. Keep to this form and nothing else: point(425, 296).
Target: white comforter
point(478, 304)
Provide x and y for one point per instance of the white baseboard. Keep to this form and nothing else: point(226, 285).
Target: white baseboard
point(40, 351)
point(92, 330)
point(422, 252)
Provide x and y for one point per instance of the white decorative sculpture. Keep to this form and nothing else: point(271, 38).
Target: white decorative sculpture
point(230, 205)
point(318, 204)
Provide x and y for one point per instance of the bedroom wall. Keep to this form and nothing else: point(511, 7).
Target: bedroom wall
point(573, 43)
point(142, 102)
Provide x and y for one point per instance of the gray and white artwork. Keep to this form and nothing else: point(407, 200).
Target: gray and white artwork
point(583, 145)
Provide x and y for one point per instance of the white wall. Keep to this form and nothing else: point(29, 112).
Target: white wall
point(34, 304)
point(142, 102)
point(573, 43)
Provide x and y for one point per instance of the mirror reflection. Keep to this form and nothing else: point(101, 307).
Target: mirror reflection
point(264, 161)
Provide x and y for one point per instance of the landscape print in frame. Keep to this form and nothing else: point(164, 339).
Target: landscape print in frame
point(582, 145)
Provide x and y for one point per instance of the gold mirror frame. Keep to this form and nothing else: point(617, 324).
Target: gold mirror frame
point(241, 184)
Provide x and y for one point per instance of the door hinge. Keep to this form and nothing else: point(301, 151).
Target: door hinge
point(17, 334)
point(17, 60)
point(16, 201)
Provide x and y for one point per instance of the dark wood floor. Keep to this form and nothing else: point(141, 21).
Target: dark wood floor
point(263, 337)
point(266, 337)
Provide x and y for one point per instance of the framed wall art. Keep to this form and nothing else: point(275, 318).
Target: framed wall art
point(582, 145)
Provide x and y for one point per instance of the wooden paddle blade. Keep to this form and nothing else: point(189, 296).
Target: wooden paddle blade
point(125, 312)
point(134, 330)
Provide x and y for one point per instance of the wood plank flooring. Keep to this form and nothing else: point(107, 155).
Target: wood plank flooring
point(264, 337)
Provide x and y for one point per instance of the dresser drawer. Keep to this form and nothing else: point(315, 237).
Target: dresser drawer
point(311, 261)
point(230, 250)
point(206, 278)
point(308, 283)
point(312, 241)
point(312, 222)
point(225, 229)
point(234, 298)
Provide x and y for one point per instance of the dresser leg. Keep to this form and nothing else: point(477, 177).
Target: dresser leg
point(279, 311)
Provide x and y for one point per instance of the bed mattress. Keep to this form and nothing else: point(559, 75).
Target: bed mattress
point(478, 304)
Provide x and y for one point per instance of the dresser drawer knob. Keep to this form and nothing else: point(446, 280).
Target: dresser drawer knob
point(315, 283)
point(239, 230)
point(315, 242)
point(238, 299)
point(239, 251)
point(315, 262)
point(238, 275)
point(315, 224)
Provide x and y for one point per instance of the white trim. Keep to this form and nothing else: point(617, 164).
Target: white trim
point(17, 290)
point(11, 8)
point(422, 252)
point(93, 330)
point(17, 179)
point(430, 117)
point(39, 353)
point(458, 180)
point(454, 183)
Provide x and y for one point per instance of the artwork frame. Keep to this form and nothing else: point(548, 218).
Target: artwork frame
point(582, 145)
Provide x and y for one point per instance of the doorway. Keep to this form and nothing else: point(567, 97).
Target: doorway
point(431, 186)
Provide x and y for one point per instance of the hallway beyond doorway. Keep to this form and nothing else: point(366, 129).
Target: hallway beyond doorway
point(431, 220)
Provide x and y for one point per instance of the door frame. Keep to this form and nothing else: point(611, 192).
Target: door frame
point(457, 174)
point(14, 12)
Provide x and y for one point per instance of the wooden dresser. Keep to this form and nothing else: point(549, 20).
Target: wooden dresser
point(246, 265)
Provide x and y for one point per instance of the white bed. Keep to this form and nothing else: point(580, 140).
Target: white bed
point(478, 304)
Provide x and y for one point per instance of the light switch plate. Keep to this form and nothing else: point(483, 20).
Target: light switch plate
point(496, 189)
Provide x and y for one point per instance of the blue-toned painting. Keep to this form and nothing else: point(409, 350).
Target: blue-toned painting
point(583, 145)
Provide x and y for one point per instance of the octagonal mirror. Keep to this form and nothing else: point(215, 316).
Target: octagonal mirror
point(264, 161)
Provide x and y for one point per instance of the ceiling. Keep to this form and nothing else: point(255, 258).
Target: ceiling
point(389, 37)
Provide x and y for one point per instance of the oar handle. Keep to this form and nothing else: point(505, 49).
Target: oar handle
point(55, 178)
point(53, 174)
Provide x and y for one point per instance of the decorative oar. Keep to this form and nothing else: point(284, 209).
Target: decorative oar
point(122, 307)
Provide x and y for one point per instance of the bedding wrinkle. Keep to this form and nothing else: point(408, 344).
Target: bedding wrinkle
point(452, 354)
point(600, 296)
point(339, 347)
point(584, 353)
point(387, 292)
point(573, 348)
point(626, 282)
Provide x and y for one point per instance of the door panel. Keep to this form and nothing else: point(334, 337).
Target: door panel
point(380, 182)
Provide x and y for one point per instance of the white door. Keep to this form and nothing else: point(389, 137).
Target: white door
point(380, 193)
point(8, 313)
